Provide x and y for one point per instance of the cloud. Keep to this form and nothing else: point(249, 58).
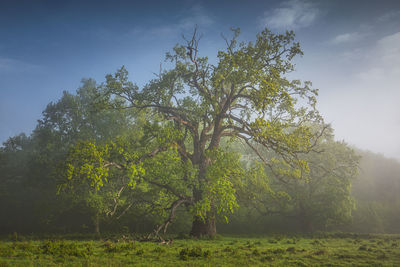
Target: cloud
point(394, 14)
point(198, 16)
point(370, 98)
point(389, 50)
point(383, 60)
point(359, 91)
point(347, 38)
point(8, 65)
point(290, 15)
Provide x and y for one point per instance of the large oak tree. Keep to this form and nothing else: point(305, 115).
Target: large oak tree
point(192, 107)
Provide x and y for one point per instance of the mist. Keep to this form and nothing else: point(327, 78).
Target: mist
point(129, 124)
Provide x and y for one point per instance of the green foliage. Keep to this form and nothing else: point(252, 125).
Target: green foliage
point(199, 140)
point(219, 189)
point(89, 162)
point(315, 190)
point(63, 249)
point(194, 106)
point(376, 195)
point(111, 247)
point(195, 252)
point(32, 166)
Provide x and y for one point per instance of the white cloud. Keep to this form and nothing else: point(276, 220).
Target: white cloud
point(13, 65)
point(290, 15)
point(198, 16)
point(359, 92)
point(368, 113)
point(389, 50)
point(347, 38)
point(383, 60)
point(394, 14)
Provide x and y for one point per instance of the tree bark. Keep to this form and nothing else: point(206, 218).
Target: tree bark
point(205, 227)
point(305, 221)
point(200, 227)
point(97, 224)
point(306, 225)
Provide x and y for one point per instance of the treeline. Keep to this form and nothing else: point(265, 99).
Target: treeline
point(376, 191)
point(371, 207)
point(42, 191)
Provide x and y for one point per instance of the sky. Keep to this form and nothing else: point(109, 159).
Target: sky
point(351, 53)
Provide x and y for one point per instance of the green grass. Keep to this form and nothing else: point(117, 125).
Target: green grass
point(227, 251)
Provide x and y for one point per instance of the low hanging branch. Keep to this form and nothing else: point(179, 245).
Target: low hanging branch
point(169, 220)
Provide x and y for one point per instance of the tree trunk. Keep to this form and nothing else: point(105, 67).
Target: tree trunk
point(200, 227)
point(97, 224)
point(306, 225)
point(205, 227)
point(304, 219)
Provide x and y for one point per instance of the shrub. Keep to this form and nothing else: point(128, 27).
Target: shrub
point(278, 251)
point(195, 252)
point(62, 248)
point(267, 258)
point(320, 252)
point(159, 250)
point(256, 252)
point(316, 242)
point(291, 249)
point(363, 247)
point(227, 249)
point(7, 251)
point(381, 255)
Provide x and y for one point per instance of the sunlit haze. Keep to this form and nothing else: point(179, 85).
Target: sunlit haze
point(351, 53)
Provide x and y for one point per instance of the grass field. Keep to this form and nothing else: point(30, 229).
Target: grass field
point(328, 250)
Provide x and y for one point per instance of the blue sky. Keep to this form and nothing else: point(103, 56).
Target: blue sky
point(352, 53)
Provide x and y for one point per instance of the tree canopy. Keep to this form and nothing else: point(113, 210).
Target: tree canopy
point(195, 144)
point(192, 106)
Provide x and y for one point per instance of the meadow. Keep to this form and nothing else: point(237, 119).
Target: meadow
point(322, 250)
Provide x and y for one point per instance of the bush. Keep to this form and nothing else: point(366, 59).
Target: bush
point(159, 250)
point(112, 247)
point(7, 251)
point(63, 248)
point(320, 252)
point(291, 249)
point(195, 252)
point(363, 247)
point(256, 252)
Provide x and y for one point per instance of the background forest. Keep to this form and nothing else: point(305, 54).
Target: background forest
point(339, 193)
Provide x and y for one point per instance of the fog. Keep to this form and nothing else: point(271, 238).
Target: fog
point(359, 91)
point(101, 135)
point(351, 54)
